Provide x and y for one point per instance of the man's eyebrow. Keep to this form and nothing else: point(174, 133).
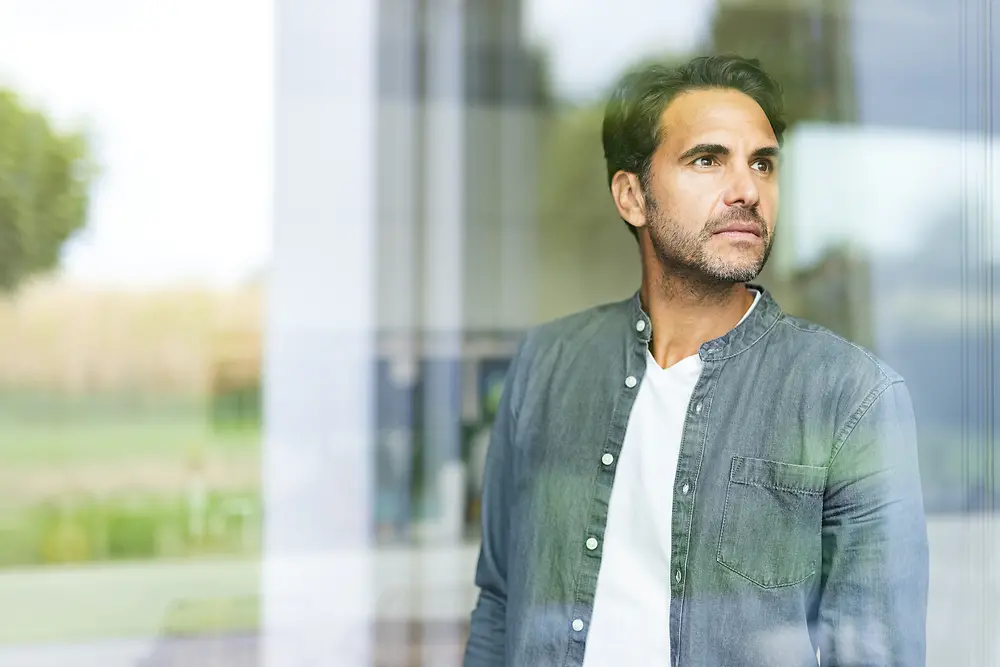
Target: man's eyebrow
point(719, 149)
point(767, 151)
point(704, 149)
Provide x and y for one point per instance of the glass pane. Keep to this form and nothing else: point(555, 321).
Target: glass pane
point(248, 391)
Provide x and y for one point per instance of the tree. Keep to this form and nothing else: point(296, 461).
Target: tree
point(45, 178)
point(804, 44)
point(589, 256)
point(577, 212)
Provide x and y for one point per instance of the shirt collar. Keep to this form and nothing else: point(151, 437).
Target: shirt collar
point(763, 317)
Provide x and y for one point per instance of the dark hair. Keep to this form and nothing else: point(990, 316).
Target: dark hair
point(632, 127)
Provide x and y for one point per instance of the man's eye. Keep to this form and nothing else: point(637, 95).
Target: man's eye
point(764, 166)
point(704, 161)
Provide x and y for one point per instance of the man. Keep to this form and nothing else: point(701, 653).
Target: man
point(692, 477)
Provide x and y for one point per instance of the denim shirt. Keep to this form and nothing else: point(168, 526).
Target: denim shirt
point(798, 524)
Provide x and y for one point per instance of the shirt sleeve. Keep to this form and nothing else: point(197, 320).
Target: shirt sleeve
point(486, 646)
point(872, 608)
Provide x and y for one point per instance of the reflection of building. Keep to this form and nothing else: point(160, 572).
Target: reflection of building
point(457, 134)
point(411, 470)
point(458, 93)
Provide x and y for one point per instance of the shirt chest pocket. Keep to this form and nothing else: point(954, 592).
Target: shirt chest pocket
point(772, 522)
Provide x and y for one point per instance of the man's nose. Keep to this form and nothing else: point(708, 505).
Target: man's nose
point(741, 188)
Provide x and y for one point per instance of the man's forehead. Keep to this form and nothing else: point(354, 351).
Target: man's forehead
point(715, 116)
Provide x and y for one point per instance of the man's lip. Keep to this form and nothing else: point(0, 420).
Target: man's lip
point(748, 229)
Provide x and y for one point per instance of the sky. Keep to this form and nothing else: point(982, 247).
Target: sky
point(178, 97)
point(889, 191)
point(589, 42)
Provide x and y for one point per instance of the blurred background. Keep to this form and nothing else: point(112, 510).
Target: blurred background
point(263, 266)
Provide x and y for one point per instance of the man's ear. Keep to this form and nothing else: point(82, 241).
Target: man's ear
point(629, 199)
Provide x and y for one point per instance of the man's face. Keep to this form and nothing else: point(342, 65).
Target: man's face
point(712, 195)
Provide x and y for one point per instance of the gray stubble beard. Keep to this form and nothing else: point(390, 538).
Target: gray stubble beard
point(686, 257)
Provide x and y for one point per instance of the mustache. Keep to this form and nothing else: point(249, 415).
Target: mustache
point(751, 215)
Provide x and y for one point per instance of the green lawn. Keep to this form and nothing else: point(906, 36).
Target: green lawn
point(96, 432)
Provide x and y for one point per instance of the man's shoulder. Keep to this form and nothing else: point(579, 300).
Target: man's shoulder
point(550, 347)
point(818, 346)
point(596, 324)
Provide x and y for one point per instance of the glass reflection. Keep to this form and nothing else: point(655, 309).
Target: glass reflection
point(133, 474)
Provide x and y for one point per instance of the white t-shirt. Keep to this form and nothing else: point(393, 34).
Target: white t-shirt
point(631, 619)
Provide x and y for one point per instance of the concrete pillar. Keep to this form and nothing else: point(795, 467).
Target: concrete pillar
point(316, 574)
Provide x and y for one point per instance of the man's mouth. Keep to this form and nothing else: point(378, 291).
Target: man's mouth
point(741, 230)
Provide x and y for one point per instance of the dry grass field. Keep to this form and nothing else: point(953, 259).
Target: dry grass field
point(66, 339)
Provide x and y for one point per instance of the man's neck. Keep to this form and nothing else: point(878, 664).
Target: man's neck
point(686, 315)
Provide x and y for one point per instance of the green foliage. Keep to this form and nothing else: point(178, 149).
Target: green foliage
point(581, 236)
point(45, 178)
point(131, 528)
point(574, 186)
point(589, 256)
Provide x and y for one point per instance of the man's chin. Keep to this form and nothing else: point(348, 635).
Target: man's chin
point(733, 275)
point(737, 271)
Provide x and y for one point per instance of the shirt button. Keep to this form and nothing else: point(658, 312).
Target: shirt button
point(677, 576)
point(578, 625)
point(685, 488)
point(591, 543)
point(630, 381)
point(697, 409)
point(607, 459)
point(640, 325)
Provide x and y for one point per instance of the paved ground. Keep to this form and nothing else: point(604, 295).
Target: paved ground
point(415, 646)
point(52, 610)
